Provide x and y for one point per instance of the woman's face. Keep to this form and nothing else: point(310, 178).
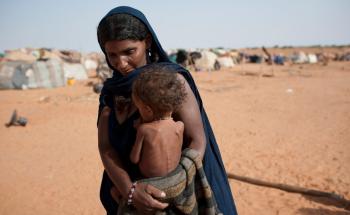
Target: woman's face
point(126, 55)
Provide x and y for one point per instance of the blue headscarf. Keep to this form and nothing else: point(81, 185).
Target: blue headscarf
point(119, 84)
point(163, 57)
point(212, 162)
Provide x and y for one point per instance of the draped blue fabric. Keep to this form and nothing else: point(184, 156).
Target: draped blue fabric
point(122, 136)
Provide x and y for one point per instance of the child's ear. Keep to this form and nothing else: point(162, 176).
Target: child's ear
point(149, 110)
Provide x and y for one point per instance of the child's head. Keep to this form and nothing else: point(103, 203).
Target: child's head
point(157, 92)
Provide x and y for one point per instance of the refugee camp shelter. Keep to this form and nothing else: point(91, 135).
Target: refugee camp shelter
point(38, 74)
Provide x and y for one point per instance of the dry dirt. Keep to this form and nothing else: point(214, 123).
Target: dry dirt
point(292, 128)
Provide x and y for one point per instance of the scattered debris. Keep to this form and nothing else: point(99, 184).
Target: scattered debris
point(16, 120)
point(315, 195)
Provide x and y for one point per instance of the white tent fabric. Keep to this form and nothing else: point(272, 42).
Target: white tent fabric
point(206, 62)
point(312, 58)
point(39, 74)
point(225, 62)
point(74, 70)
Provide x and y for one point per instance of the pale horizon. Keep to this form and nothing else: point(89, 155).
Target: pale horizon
point(197, 24)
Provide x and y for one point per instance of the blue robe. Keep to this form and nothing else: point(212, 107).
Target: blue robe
point(122, 136)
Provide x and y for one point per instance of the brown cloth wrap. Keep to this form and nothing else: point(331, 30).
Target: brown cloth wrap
point(187, 189)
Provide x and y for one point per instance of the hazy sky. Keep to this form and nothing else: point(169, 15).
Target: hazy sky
point(71, 24)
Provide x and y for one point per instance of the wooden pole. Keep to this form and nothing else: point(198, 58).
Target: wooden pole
point(315, 195)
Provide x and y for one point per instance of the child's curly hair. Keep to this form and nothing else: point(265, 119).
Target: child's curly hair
point(159, 87)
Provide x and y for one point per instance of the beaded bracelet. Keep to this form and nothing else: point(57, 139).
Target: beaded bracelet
point(131, 193)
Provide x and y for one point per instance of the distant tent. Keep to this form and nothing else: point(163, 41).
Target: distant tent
point(74, 70)
point(312, 58)
point(172, 57)
point(181, 56)
point(207, 62)
point(345, 57)
point(255, 59)
point(225, 62)
point(24, 75)
point(300, 57)
point(279, 59)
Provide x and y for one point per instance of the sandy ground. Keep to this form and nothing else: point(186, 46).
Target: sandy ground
point(291, 128)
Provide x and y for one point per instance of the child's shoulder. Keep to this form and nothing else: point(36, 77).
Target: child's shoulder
point(180, 125)
point(146, 127)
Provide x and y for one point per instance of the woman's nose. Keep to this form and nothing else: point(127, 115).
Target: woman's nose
point(122, 63)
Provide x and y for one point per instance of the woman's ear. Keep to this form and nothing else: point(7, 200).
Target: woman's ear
point(148, 41)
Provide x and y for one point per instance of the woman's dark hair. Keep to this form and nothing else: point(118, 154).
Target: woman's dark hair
point(123, 27)
point(159, 87)
point(120, 27)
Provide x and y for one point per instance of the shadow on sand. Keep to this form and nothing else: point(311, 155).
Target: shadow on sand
point(321, 211)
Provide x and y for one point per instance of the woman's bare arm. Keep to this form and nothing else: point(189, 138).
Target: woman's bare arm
point(190, 115)
point(144, 193)
point(109, 156)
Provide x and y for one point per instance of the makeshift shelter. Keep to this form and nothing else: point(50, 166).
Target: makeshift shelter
point(345, 57)
point(208, 61)
point(74, 70)
point(172, 57)
point(182, 57)
point(311, 58)
point(279, 59)
point(236, 56)
point(20, 55)
point(225, 62)
point(255, 58)
point(24, 75)
point(300, 57)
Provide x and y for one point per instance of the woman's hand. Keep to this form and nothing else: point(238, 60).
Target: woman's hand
point(144, 199)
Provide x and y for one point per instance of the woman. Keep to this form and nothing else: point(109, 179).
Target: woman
point(128, 42)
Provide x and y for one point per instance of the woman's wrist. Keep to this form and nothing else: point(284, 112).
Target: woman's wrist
point(125, 188)
point(130, 200)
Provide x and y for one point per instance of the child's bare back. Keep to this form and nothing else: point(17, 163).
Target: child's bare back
point(157, 148)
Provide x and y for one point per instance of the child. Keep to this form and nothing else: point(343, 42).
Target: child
point(157, 149)
point(157, 93)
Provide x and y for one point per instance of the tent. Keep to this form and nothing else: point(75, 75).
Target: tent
point(24, 75)
point(207, 62)
point(225, 62)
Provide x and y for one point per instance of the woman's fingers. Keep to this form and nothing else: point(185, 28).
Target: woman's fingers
point(154, 192)
point(144, 198)
point(159, 205)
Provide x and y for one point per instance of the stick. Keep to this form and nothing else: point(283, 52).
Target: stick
point(269, 58)
point(322, 197)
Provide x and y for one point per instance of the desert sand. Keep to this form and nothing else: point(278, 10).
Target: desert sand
point(291, 128)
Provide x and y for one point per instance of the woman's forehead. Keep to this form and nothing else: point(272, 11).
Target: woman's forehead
point(122, 45)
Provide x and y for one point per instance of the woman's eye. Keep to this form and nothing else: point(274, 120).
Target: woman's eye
point(130, 51)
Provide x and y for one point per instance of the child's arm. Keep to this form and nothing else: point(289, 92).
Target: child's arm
point(135, 154)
